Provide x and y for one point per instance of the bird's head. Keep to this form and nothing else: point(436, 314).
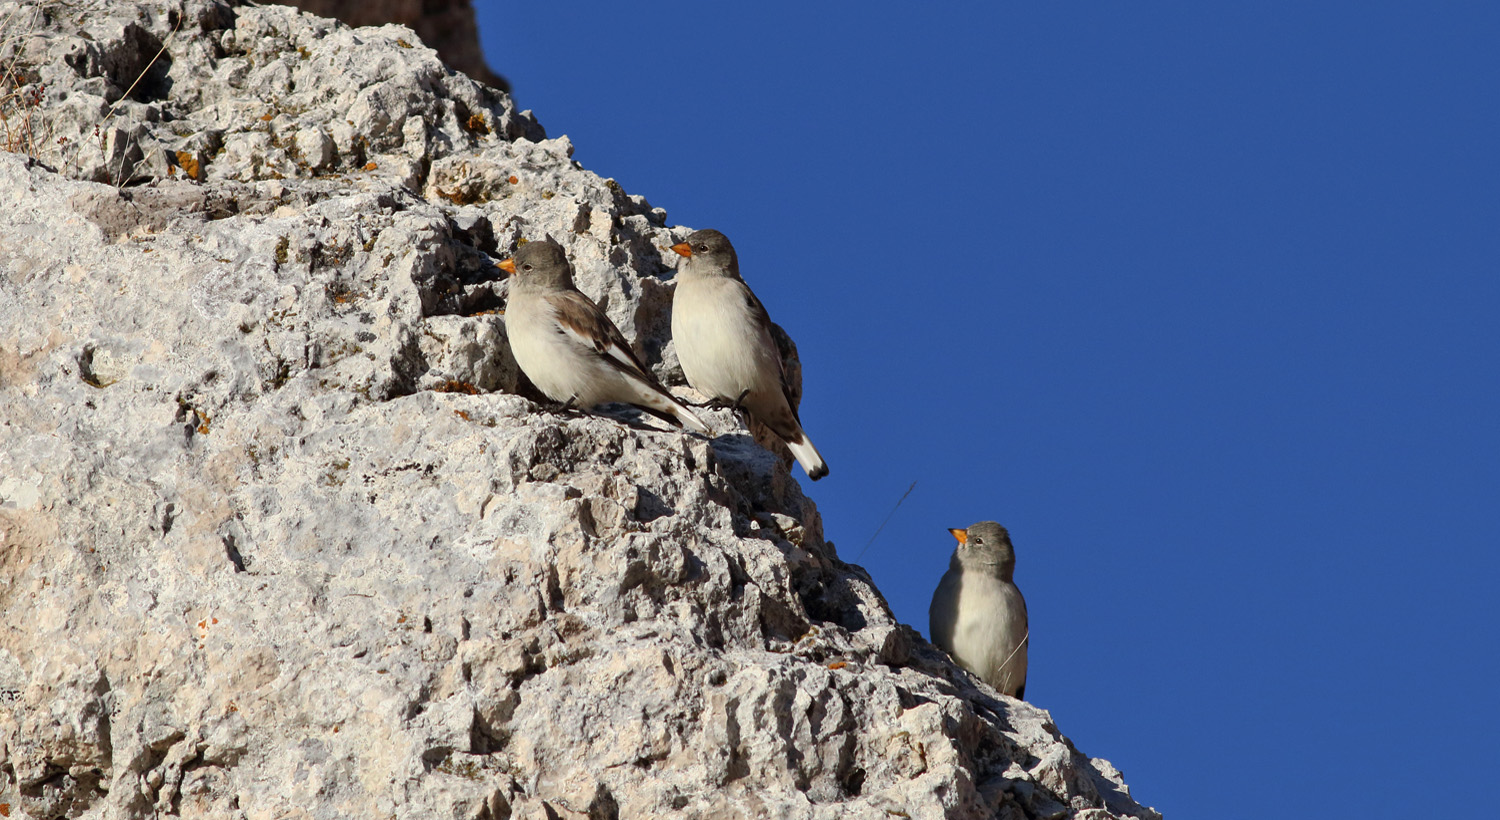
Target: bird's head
point(709, 252)
point(541, 263)
point(986, 545)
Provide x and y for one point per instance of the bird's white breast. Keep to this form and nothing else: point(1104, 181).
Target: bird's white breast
point(990, 624)
point(720, 341)
point(555, 363)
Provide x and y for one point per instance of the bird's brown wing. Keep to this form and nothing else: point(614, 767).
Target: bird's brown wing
point(763, 320)
point(583, 321)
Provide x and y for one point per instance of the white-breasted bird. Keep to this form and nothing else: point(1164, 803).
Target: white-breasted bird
point(566, 345)
point(978, 615)
point(724, 342)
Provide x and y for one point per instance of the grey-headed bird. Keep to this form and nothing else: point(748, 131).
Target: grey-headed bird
point(724, 342)
point(978, 615)
point(566, 345)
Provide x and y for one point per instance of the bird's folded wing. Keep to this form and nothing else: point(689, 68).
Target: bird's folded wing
point(585, 323)
point(763, 322)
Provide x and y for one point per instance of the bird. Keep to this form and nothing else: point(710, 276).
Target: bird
point(566, 345)
point(978, 615)
point(724, 343)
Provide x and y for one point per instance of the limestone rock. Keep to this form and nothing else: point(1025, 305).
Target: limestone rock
point(282, 535)
point(446, 25)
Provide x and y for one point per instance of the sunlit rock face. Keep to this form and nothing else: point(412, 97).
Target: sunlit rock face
point(284, 533)
point(446, 25)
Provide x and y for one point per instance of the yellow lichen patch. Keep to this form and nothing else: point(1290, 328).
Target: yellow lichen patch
point(189, 165)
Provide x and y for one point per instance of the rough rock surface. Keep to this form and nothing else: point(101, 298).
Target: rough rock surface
point(446, 25)
point(281, 535)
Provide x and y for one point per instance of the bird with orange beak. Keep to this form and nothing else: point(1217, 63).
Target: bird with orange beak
point(978, 615)
point(566, 345)
point(724, 342)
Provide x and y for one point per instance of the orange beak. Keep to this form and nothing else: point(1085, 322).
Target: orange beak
point(509, 266)
point(961, 535)
point(683, 248)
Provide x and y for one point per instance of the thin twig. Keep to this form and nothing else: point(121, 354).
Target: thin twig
point(13, 97)
point(120, 177)
point(886, 521)
point(1013, 651)
point(147, 69)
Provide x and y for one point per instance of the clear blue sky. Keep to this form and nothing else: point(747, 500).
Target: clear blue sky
point(1199, 299)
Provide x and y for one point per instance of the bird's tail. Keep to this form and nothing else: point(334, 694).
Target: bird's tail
point(686, 417)
point(651, 396)
point(807, 455)
point(668, 407)
point(776, 413)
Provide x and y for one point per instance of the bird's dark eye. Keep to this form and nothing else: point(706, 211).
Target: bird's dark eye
point(702, 249)
point(978, 540)
point(525, 267)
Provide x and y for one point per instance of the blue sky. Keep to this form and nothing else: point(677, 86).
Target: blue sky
point(1199, 299)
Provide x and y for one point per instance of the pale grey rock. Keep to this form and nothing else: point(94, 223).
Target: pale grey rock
point(446, 25)
point(282, 535)
point(254, 90)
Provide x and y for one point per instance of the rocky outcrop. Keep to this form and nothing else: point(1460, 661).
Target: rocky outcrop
point(446, 25)
point(282, 535)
